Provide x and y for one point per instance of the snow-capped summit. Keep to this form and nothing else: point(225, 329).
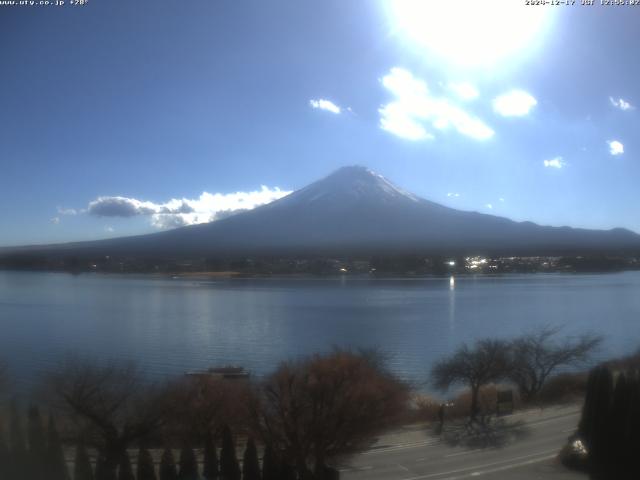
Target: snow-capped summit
point(352, 183)
point(357, 211)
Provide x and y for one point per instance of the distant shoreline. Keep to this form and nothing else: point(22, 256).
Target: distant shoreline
point(233, 275)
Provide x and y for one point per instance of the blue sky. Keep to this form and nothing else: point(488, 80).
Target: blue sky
point(122, 117)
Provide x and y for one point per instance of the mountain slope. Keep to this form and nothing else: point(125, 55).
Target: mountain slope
point(356, 210)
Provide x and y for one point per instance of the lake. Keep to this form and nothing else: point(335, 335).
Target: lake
point(170, 326)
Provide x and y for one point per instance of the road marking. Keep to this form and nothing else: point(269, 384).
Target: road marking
point(547, 439)
point(465, 452)
point(551, 419)
point(507, 467)
point(426, 443)
point(356, 469)
point(533, 412)
point(403, 446)
point(472, 468)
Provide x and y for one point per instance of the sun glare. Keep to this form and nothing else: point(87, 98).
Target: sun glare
point(470, 33)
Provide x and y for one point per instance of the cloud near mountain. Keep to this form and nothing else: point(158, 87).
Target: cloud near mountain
point(180, 212)
point(351, 211)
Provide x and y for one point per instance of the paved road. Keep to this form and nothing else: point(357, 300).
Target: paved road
point(522, 446)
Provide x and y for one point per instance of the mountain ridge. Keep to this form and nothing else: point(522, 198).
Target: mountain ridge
point(356, 210)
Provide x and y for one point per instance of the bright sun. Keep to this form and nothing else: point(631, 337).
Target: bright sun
point(471, 33)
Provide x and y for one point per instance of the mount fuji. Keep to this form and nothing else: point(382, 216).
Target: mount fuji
point(355, 210)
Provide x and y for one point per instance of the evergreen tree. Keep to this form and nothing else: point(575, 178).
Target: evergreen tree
point(618, 420)
point(145, 465)
point(324, 472)
point(270, 470)
point(229, 468)
point(210, 470)
point(125, 471)
point(104, 471)
point(37, 445)
point(596, 407)
point(82, 465)
point(586, 424)
point(4, 455)
point(18, 460)
point(104, 468)
point(100, 472)
point(630, 451)
point(56, 464)
point(610, 424)
point(287, 472)
point(168, 466)
point(188, 465)
point(250, 464)
point(599, 441)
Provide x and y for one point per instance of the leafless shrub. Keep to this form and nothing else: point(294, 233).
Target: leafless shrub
point(201, 405)
point(326, 406)
point(111, 405)
point(536, 355)
point(486, 362)
point(563, 388)
point(426, 408)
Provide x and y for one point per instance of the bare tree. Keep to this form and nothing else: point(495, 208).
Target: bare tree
point(202, 404)
point(486, 362)
point(326, 406)
point(536, 355)
point(111, 404)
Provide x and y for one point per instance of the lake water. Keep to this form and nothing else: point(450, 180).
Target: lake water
point(170, 326)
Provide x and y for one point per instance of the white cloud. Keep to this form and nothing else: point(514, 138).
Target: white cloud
point(464, 90)
point(615, 147)
point(501, 199)
point(515, 103)
point(489, 206)
point(556, 162)
point(168, 221)
point(123, 207)
point(621, 104)
point(415, 109)
point(55, 220)
point(109, 229)
point(453, 194)
point(395, 119)
point(67, 211)
point(327, 105)
point(179, 212)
